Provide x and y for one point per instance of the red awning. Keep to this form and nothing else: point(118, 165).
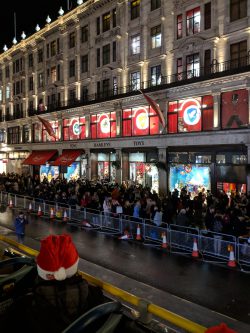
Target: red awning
point(39, 157)
point(67, 157)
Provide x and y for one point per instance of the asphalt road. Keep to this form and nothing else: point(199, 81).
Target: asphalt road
point(215, 287)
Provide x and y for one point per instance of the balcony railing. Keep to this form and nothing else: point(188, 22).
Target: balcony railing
point(163, 82)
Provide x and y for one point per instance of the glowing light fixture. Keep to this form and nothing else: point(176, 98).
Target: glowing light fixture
point(14, 41)
point(48, 19)
point(79, 2)
point(23, 35)
point(37, 27)
point(5, 48)
point(61, 11)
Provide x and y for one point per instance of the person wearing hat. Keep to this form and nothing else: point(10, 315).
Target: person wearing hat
point(59, 295)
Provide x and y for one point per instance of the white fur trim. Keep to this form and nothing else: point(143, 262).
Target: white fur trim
point(59, 275)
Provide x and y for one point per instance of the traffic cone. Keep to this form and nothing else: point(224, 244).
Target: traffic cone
point(52, 215)
point(138, 232)
point(65, 217)
point(126, 235)
point(164, 244)
point(39, 213)
point(11, 204)
point(30, 207)
point(231, 262)
point(86, 224)
point(195, 252)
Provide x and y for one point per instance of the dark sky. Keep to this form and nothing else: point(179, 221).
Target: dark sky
point(29, 13)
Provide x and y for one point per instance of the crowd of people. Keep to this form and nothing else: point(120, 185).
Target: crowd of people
point(219, 213)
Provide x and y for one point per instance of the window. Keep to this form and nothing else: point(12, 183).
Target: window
point(156, 37)
point(135, 81)
point(179, 69)
point(115, 85)
point(72, 95)
point(191, 115)
point(114, 52)
point(40, 56)
point(74, 128)
point(85, 93)
point(98, 57)
point(238, 54)
point(106, 54)
point(40, 79)
point(85, 63)
point(53, 74)
point(136, 44)
point(193, 21)
point(207, 61)
point(47, 51)
point(114, 17)
point(13, 135)
point(98, 29)
point(179, 26)
point(207, 16)
point(30, 60)
point(72, 40)
point(105, 22)
point(26, 133)
point(58, 45)
point(72, 68)
point(155, 4)
point(84, 34)
point(1, 94)
point(53, 48)
point(156, 75)
point(7, 92)
point(103, 125)
point(238, 9)
point(58, 72)
point(193, 65)
point(31, 83)
point(2, 135)
point(7, 71)
point(105, 87)
point(135, 9)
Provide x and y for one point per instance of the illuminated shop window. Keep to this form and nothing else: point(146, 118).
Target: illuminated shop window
point(74, 129)
point(193, 18)
point(136, 44)
point(103, 125)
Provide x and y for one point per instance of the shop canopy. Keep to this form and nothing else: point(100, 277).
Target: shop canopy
point(39, 157)
point(67, 157)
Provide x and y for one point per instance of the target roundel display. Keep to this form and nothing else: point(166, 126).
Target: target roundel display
point(191, 110)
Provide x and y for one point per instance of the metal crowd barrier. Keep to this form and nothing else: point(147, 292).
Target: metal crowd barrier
point(179, 239)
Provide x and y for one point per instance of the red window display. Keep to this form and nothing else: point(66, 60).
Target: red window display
point(74, 129)
point(234, 109)
point(191, 115)
point(103, 125)
point(46, 137)
point(141, 120)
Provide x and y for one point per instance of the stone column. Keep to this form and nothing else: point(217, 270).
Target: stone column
point(93, 166)
point(162, 157)
point(217, 111)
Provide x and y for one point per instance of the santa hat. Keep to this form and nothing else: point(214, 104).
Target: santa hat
point(58, 258)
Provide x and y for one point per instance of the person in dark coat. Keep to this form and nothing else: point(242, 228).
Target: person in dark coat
point(59, 295)
point(20, 223)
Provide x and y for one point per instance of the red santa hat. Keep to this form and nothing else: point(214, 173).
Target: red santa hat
point(58, 258)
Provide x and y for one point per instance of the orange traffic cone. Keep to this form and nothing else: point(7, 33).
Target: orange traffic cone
point(138, 232)
point(86, 224)
point(126, 235)
point(65, 217)
point(164, 244)
point(195, 252)
point(231, 262)
point(52, 215)
point(39, 213)
point(10, 203)
point(30, 207)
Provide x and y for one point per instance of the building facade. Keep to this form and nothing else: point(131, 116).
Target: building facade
point(83, 72)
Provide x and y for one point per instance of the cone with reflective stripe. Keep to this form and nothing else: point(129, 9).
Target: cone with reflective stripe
point(126, 235)
point(195, 252)
point(222, 328)
point(10, 203)
point(231, 262)
point(65, 216)
point(86, 224)
point(39, 213)
point(52, 215)
point(30, 207)
point(164, 244)
point(138, 232)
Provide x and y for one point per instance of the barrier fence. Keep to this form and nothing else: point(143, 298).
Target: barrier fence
point(178, 239)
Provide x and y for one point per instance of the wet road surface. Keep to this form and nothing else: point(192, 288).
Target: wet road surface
point(215, 287)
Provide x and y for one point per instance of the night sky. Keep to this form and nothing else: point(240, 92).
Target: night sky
point(27, 17)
